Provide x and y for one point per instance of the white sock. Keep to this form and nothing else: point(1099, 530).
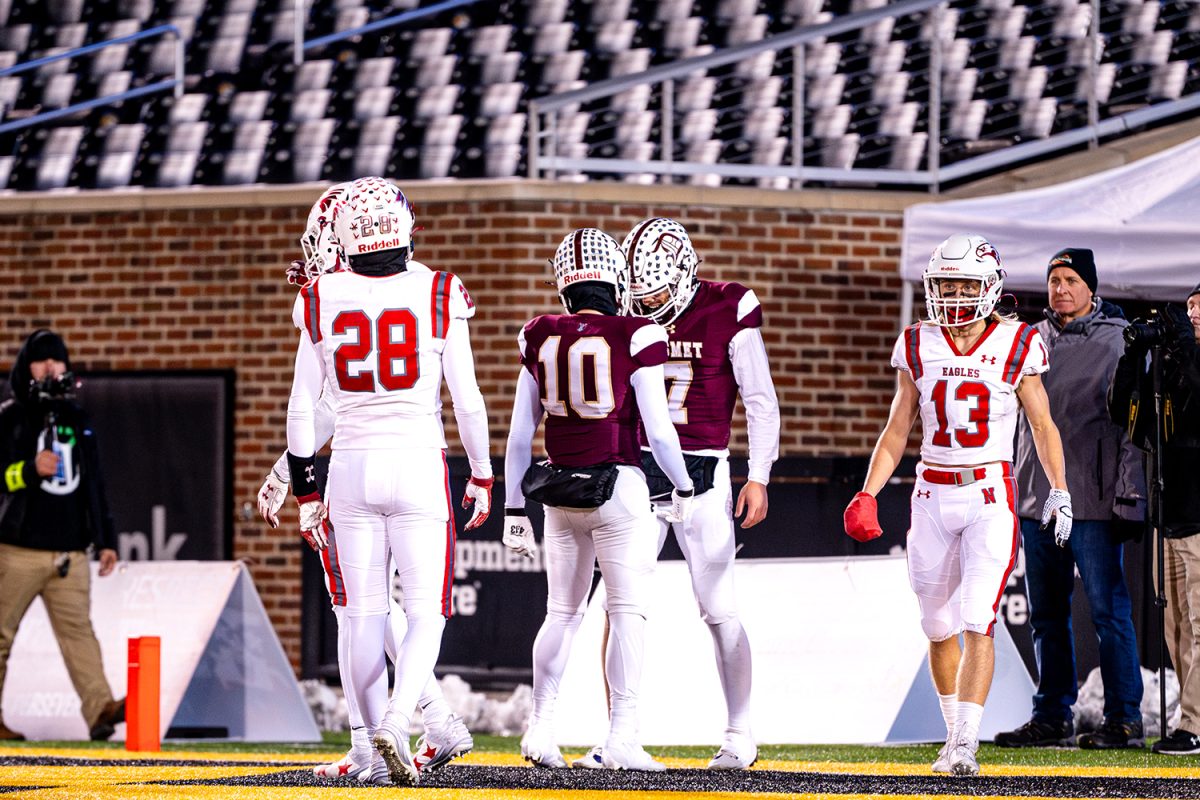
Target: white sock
point(414, 663)
point(734, 667)
point(367, 666)
point(435, 712)
point(550, 651)
point(967, 726)
point(360, 746)
point(949, 704)
point(623, 666)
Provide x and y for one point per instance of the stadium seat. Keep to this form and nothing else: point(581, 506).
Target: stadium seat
point(310, 144)
point(120, 155)
point(58, 156)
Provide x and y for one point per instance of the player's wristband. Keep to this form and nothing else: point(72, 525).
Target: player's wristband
point(509, 511)
point(685, 492)
point(304, 475)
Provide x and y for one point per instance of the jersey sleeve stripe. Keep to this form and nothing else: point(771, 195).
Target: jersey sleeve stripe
point(1016, 356)
point(312, 311)
point(447, 283)
point(437, 305)
point(912, 350)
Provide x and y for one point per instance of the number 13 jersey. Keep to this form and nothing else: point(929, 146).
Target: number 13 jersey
point(381, 340)
point(969, 400)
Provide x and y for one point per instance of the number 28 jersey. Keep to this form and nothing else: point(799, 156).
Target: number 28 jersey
point(583, 365)
point(381, 340)
point(969, 400)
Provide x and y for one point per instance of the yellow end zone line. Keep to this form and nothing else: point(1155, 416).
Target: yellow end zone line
point(514, 760)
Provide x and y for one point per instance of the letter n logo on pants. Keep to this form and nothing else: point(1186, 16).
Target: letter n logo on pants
point(989, 495)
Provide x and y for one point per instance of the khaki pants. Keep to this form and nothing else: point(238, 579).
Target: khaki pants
point(1182, 560)
point(25, 574)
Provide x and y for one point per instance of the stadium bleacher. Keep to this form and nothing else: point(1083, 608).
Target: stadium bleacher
point(448, 97)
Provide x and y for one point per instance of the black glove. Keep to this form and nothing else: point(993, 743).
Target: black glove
point(1181, 336)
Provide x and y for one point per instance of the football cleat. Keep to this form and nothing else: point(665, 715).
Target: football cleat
point(539, 749)
point(629, 756)
point(593, 759)
point(439, 747)
point(344, 767)
point(962, 757)
point(393, 746)
point(738, 752)
point(941, 764)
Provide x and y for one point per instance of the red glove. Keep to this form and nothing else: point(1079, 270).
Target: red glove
point(296, 274)
point(862, 518)
point(479, 492)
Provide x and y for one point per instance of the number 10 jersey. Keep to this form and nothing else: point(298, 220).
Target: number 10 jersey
point(969, 400)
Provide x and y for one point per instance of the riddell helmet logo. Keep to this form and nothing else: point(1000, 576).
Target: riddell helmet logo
point(587, 275)
point(386, 244)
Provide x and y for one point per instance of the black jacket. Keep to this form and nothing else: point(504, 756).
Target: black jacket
point(1131, 404)
point(70, 516)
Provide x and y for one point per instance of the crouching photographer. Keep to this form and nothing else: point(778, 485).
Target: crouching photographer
point(52, 512)
point(1161, 370)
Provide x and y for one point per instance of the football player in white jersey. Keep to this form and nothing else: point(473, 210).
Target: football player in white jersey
point(716, 354)
point(383, 334)
point(964, 371)
point(445, 737)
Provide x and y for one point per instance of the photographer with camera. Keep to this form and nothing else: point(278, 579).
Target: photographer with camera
point(1104, 475)
point(1175, 336)
point(53, 510)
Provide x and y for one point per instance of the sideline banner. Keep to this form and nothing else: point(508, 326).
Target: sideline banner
point(838, 659)
point(224, 673)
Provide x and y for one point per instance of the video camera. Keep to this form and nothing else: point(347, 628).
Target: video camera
point(54, 387)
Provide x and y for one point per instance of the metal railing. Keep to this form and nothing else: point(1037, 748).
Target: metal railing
point(299, 45)
point(799, 68)
point(175, 83)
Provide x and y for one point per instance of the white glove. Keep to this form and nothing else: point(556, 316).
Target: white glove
point(479, 492)
point(518, 535)
point(270, 498)
point(312, 514)
point(681, 506)
point(1058, 507)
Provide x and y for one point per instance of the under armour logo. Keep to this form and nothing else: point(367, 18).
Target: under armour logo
point(988, 359)
point(924, 493)
point(310, 473)
point(989, 495)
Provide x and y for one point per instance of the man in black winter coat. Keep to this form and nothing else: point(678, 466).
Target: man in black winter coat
point(53, 512)
point(1131, 403)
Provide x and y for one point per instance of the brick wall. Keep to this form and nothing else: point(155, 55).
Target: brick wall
point(193, 280)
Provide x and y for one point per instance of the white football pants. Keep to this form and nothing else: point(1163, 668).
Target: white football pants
point(620, 536)
point(962, 546)
point(392, 505)
point(707, 543)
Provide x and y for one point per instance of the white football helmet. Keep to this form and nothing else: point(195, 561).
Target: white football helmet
point(373, 216)
point(963, 257)
point(661, 258)
point(590, 254)
point(322, 252)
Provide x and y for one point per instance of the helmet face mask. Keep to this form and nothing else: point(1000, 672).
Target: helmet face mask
point(322, 252)
point(963, 281)
point(590, 254)
point(663, 267)
point(373, 216)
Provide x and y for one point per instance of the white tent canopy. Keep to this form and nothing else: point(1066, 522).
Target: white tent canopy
point(1142, 221)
